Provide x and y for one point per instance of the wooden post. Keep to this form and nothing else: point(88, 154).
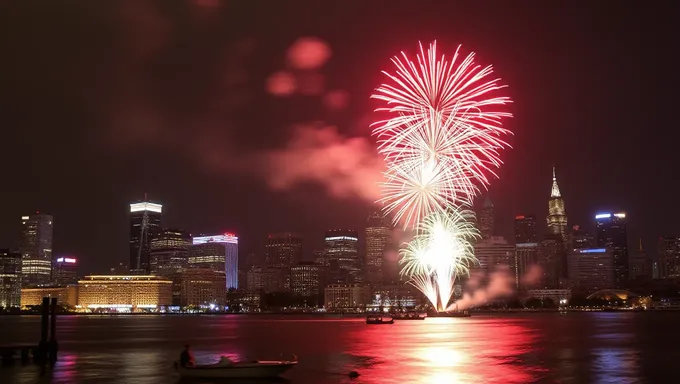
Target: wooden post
point(52, 345)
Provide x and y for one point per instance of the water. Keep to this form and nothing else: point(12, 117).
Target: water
point(602, 347)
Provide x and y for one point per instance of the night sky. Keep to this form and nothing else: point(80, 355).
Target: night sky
point(102, 101)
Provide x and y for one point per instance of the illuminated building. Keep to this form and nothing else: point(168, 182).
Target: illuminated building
point(395, 296)
point(378, 239)
point(346, 297)
point(10, 278)
point(66, 296)
point(557, 216)
point(591, 269)
point(320, 257)
point(306, 279)
point(486, 219)
point(552, 260)
point(342, 252)
point(526, 256)
point(64, 271)
point(612, 233)
point(525, 229)
point(558, 296)
point(283, 250)
point(219, 253)
point(669, 257)
point(202, 287)
point(493, 253)
point(578, 238)
point(267, 280)
point(36, 249)
point(124, 293)
point(169, 252)
point(145, 223)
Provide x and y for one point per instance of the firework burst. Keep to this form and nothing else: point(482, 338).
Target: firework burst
point(441, 144)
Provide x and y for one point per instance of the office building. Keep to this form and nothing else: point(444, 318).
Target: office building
point(306, 279)
point(283, 250)
point(486, 219)
point(526, 257)
point(203, 288)
point(579, 238)
point(493, 254)
point(343, 297)
point(525, 229)
point(131, 293)
point(669, 258)
point(591, 269)
point(66, 296)
point(612, 233)
point(552, 260)
point(145, 223)
point(267, 280)
point(378, 240)
point(169, 252)
point(557, 216)
point(64, 271)
point(640, 265)
point(10, 278)
point(36, 249)
point(342, 252)
point(217, 252)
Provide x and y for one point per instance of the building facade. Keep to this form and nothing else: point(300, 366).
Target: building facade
point(267, 280)
point(526, 257)
point(612, 233)
point(283, 250)
point(145, 223)
point(526, 230)
point(591, 269)
point(669, 258)
point(203, 287)
point(217, 252)
point(344, 297)
point(378, 239)
point(10, 278)
point(342, 252)
point(557, 215)
point(306, 279)
point(493, 254)
point(66, 296)
point(486, 219)
point(131, 293)
point(65, 270)
point(36, 249)
point(169, 252)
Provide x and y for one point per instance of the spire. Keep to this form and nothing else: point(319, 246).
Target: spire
point(555, 189)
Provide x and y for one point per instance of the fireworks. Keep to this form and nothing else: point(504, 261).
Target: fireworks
point(440, 145)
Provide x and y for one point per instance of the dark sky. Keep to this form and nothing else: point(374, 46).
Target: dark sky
point(102, 101)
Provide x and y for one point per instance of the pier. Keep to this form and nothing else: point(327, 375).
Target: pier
point(47, 348)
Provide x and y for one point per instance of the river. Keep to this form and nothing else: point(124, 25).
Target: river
point(598, 347)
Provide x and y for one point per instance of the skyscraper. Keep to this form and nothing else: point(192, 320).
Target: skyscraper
point(283, 250)
point(219, 253)
point(557, 216)
point(640, 265)
point(36, 249)
point(64, 271)
point(579, 238)
point(591, 269)
point(145, 223)
point(525, 229)
point(10, 278)
point(552, 260)
point(669, 257)
point(169, 252)
point(342, 252)
point(612, 233)
point(492, 254)
point(378, 239)
point(486, 219)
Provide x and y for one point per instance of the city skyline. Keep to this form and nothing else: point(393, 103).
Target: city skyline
point(599, 140)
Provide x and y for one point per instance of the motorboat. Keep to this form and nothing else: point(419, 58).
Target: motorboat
point(379, 319)
point(227, 369)
point(409, 316)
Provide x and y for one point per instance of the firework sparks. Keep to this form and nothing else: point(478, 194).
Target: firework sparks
point(441, 144)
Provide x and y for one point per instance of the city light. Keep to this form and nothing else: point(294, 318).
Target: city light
point(226, 238)
point(335, 238)
point(620, 215)
point(593, 250)
point(603, 216)
point(151, 207)
point(66, 260)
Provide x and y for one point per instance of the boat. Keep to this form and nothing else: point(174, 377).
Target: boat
point(227, 369)
point(409, 316)
point(379, 319)
point(453, 314)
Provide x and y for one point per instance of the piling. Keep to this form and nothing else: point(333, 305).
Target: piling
point(53, 345)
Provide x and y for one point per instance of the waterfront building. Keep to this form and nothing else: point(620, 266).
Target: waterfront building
point(36, 249)
point(267, 280)
point(612, 234)
point(343, 297)
point(591, 269)
point(552, 260)
point(525, 229)
point(217, 252)
point(557, 216)
point(203, 288)
point(145, 223)
point(526, 257)
point(10, 278)
point(393, 296)
point(378, 240)
point(493, 254)
point(342, 252)
point(169, 252)
point(486, 219)
point(560, 297)
point(669, 258)
point(64, 271)
point(306, 279)
point(283, 250)
point(66, 296)
point(127, 293)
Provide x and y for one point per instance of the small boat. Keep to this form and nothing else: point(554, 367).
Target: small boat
point(379, 319)
point(409, 316)
point(453, 314)
point(226, 369)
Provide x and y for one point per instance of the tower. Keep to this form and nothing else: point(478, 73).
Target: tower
point(557, 216)
point(145, 223)
point(36, 249)
point(612, 234)
point(378, 236)
point(486, 219)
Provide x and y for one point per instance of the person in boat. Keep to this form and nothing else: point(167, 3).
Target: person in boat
point(186, 358)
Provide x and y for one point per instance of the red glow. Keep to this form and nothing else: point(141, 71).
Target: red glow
point(519, 217)
point(229, 234)
point(336, 100)
point(308, 53)
point(281, 84)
